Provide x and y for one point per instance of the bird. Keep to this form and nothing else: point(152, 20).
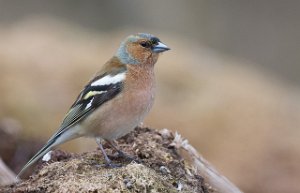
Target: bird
point(115, 100)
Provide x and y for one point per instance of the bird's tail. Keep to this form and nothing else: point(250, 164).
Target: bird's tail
point(49, 145)
point(61, 136)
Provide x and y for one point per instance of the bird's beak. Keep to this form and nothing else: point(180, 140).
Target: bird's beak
point(160, 47)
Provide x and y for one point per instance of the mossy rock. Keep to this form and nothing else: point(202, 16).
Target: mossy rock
point(161, 169)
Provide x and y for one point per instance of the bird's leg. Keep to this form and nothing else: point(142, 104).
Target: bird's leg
point(107, 160)
point(114, 145)
point(98, 141)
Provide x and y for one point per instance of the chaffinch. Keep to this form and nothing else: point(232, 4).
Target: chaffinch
point(116, 100)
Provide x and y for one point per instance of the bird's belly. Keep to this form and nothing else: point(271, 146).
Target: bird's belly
point(114, 120)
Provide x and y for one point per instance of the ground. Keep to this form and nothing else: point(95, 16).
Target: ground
point(159, 167)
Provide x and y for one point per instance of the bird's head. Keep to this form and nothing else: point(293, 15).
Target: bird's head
point(141, 48)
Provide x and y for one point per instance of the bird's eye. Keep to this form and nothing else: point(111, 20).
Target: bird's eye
point(145, 44)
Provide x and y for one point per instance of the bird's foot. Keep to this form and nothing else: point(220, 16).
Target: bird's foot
point(128, 157)
point(109, 164)
point(113, 165)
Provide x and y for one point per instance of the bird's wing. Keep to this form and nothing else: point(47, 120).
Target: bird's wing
point(101, 89)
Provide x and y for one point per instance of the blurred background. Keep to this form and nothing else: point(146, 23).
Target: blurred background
point(230, 84)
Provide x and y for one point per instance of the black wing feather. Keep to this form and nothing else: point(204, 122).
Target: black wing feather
point(79, 109)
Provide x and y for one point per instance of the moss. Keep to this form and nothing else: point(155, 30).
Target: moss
point(162, 169)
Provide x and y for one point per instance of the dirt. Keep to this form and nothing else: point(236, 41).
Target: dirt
point(158, 167)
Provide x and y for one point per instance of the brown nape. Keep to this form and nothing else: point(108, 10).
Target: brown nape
point(111, 66)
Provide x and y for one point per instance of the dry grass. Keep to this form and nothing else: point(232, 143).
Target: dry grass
point(244, 121)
